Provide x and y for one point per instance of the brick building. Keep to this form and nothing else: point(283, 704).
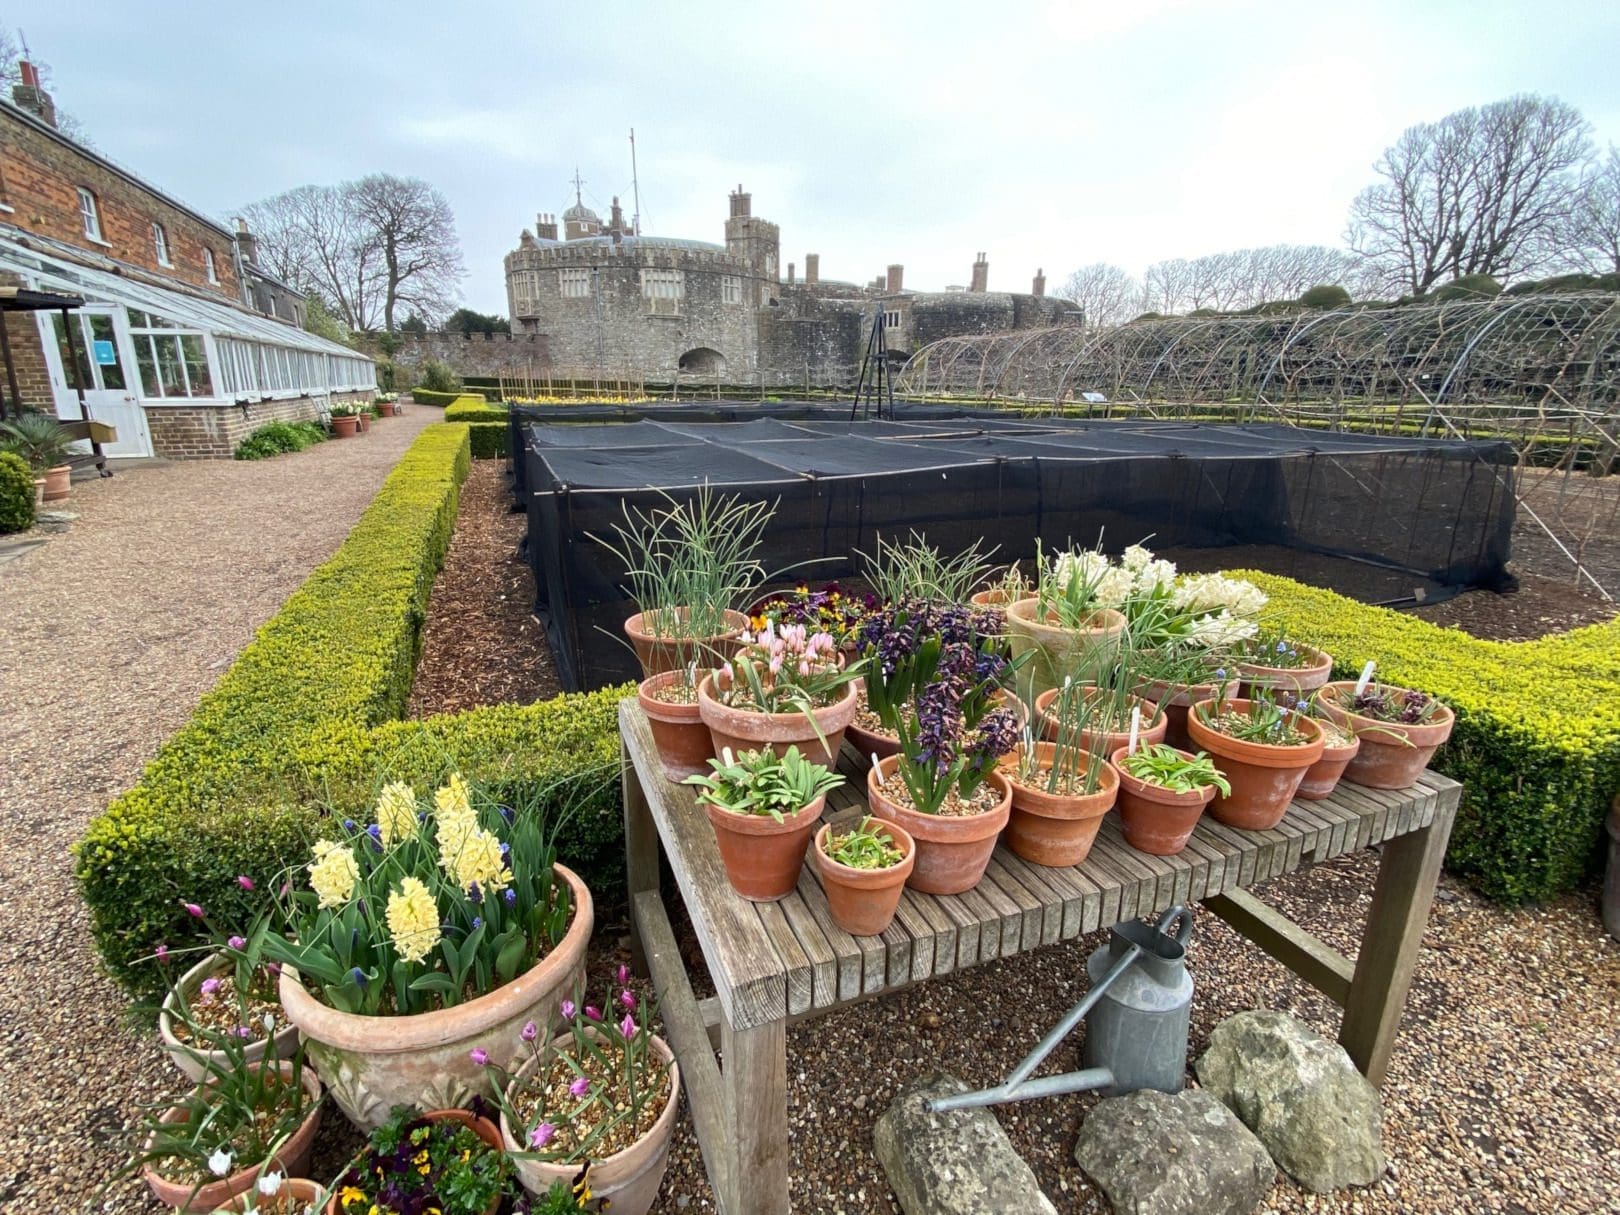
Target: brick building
point(185, 344)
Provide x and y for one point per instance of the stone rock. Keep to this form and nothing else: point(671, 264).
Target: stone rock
point(1318, 1116)
point(955, 1163)
point(1157, 1154)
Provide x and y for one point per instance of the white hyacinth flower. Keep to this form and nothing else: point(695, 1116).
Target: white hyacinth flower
point(219, 1164)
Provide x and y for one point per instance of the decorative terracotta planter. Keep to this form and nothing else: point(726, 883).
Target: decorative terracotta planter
point(345, 428)
point(658, 655)
point(293, 1158)
point(1298, 680)
point(482, 1127)
point(1392, 756)
point(387, 409)
point(863, 901)
point(677, 729)
point(762, 856)
point(1058, 652)
point(1153, 818)
point(296, 1193)
point(1105, 742)
point(628, 1179)
point(187, 1058)
point(951, 852)
point(1176, 703)
point(58, 483)
point(1323, 776)
point(743, 730)
point(371, 1064)
point(1051, 828)
point(1263, 776)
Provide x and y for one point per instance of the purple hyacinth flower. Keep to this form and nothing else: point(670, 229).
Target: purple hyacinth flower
point(359, 976)
point(478, 922)
point(348, 824)
point(475, 894)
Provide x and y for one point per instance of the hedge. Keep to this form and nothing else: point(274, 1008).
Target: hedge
point(309, 714)
point(474, 409)
point(489, 440)
point(426, 396)
point(1537, 739)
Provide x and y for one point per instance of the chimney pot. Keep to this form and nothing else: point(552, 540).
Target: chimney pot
point(896, 278)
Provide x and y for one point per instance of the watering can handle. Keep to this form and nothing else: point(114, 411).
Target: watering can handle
point(1184, 928)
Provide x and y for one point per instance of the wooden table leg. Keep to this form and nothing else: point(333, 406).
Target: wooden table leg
point(641, 849)
point(754, 1070)
point(1390, 943)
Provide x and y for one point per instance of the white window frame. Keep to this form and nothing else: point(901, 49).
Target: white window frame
point(90, 215)
point(160, 244)
point(574, 283)
point(209, 266)
point(663, 290)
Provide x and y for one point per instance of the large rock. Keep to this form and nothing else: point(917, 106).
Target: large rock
point(1156, 1154)
point(956, 1163)
point(1317, 1115)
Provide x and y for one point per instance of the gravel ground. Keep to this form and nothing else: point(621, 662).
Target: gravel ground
point(109, 633)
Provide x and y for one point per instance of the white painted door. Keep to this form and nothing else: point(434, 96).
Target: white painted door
point(102, 338)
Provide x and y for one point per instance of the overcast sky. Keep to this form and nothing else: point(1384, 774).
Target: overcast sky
point(1047, 135)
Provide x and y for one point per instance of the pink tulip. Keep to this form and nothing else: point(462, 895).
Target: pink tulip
point(244, 881)
point(194, 910)
point(627, 1027)
point(622, 974)
point(162, 952)
point(542, 1135)
point(592, 1013)
point(478, 1055)
point(568, 1010)
point(529, 1032)
point(579, 1087)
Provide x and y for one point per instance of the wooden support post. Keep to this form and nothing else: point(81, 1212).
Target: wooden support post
point(1312, 959)
point(754, 1065)
point(641, 850)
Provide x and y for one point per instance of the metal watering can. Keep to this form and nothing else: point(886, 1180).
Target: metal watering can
point(1138, 1007)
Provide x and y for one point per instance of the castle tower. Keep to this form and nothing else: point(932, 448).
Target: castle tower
point(580, 221)
point(981, 275)
point(756, 241)
point(1038, 288)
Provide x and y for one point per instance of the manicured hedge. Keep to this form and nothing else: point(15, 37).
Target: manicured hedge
point(474, 409)
point(425, 396)
point(1537, 740)
point(489, 440)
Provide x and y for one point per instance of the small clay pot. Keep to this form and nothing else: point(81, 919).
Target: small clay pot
point(1104, 742)
point(870, 743)
point(1298, 680)
point(744, 730)
point(365, 421)
point(762, 856)
point(1175, 701)
point(1323, 776)
point(658, 654)
point(345, 428)
point(1056, 829)
point(1392, 755)
point(299, 1192)
point(58, 483)
point(683, 742)
point(1058, 652)
point(863, 901)
point(1263, 776)
point(1155, 819)
point(952, 852)
point(994, 597)
point(482, 1127)
point(187, 1057)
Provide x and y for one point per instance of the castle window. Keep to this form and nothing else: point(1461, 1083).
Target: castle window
point(663, 290)
point(574, 284)
point(891, 319)
point(89, 214)
point(730, 289)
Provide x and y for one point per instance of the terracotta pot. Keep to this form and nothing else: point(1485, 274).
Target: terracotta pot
point(482, 1127)
point(1155, 819)
point(762, 856)
point(1081, 654)
point(743, 730)
point(658, 655)
point(994, 597)
point(1392, 756)
point(298, 1191)
point(1298, 680)
point(629, 1178)
point(58, 482)
point(869, 743)
point(1105, 742)
point(372, 1064)
point(192, 1061)
point(293, 1158)
point(863, 901)
point(1323, 776)
point(345, 428)
point(1175, 703)
point(951, 852)
point(365, 421)
point(1056, 829)
point(677, 729)
point(1263, 776)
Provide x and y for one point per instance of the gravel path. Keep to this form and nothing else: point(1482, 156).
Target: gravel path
point(108, 635)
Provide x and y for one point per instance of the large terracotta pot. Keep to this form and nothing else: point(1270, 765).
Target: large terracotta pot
point(1392, 756)
point(1081, 654)
point(678, 731)
point(58, 483)
point(628, 1179)
point(993, 597)
point(1323, 776)
point(1153, 818)
point(1263, 776)
point(863, 901)
point(1051, 828)
point(345, 428)
point(296, 1193)
point(293, 1158)
point(762, 856)
point(951, 852)
point(658, 655)
point(482, 1127)
point(743, 730)
point(365, 422)
point(1176, 700)
point(372, 1064)
point(1298, 680)
point(193, 1061)
point(1104, 742)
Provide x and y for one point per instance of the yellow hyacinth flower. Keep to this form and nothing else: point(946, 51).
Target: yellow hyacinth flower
point(333, 874)
point(396, 812)
point(478, 858)
point(453, 804)
point(413, 920)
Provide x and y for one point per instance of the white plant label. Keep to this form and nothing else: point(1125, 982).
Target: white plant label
point(877, 766)
point(1136, 728)
point(1366, 677)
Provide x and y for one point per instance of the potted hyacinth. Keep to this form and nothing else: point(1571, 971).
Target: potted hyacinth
point(599, 1095)
point(1339, 746)
point(933, 679)
point(1071, 626)
point(1162, 795)
point(345, 420)
point(764, 808)
point(440, 926)
point(863, 870)
point(1400, 729)
point(1273, 659)
point(1264, 746)
point(449, 1161)
point(1062, 788)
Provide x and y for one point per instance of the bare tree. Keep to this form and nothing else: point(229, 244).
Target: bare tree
point(413, 230)
point(1107, 294)
point(1483, 191)
point(1592, 240)
point(1246, 278)
point(1167, 286)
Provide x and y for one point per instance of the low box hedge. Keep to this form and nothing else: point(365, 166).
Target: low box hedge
point(489, 440)
point(426, 396)
point(474, 409)
point(1537, 740)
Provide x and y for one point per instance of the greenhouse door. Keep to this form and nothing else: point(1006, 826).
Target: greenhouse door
point(106, 370)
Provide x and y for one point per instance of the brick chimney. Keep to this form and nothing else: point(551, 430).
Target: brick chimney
point(812, 269)
point(247, 243)
point(741, 204)
point(897, 275)
point(545, 226)
point(981, 275)
point(27, 94)
point(790, 274)
point(616, 226)
point(1039, 286)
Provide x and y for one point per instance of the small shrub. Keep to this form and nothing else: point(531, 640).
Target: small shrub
point(16, 493)
point(489, 440)
point(426, 396)
point(436, 376)
point(1324, 296)
point(1467, 287)
point(470, 408)
point(278, 438)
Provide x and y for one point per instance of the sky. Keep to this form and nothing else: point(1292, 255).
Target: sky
point(1048, 135)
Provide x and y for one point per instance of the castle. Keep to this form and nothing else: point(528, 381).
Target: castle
point(599, 297)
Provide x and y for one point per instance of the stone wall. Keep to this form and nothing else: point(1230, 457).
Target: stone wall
point(477, 354)
point(211, 432)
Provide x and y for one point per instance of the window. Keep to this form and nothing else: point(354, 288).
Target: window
point(574, 284)
point(89, 214)
point(730, 289)
point(663, 291)
point(891, 319)
point(208, 265)
point(171, 363)
point(160, 243)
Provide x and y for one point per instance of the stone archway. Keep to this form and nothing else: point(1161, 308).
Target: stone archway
point(703, 361)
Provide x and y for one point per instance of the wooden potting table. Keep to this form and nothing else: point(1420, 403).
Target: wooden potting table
point(773, 963)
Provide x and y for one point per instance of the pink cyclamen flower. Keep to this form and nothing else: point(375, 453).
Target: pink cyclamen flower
point(627, 998)
point(478, 1055)
point(244, 881)
point(237, 943)
point(210, 986)
point(162, 952)
point(804, 667)
point(579, 1087)
point(622, 974)
point(776, 665)
point(529, 1032)
point(627, 1027)
point(194, 910)
point(592, 1013)
point(568, 1010)
point(542, 1135)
